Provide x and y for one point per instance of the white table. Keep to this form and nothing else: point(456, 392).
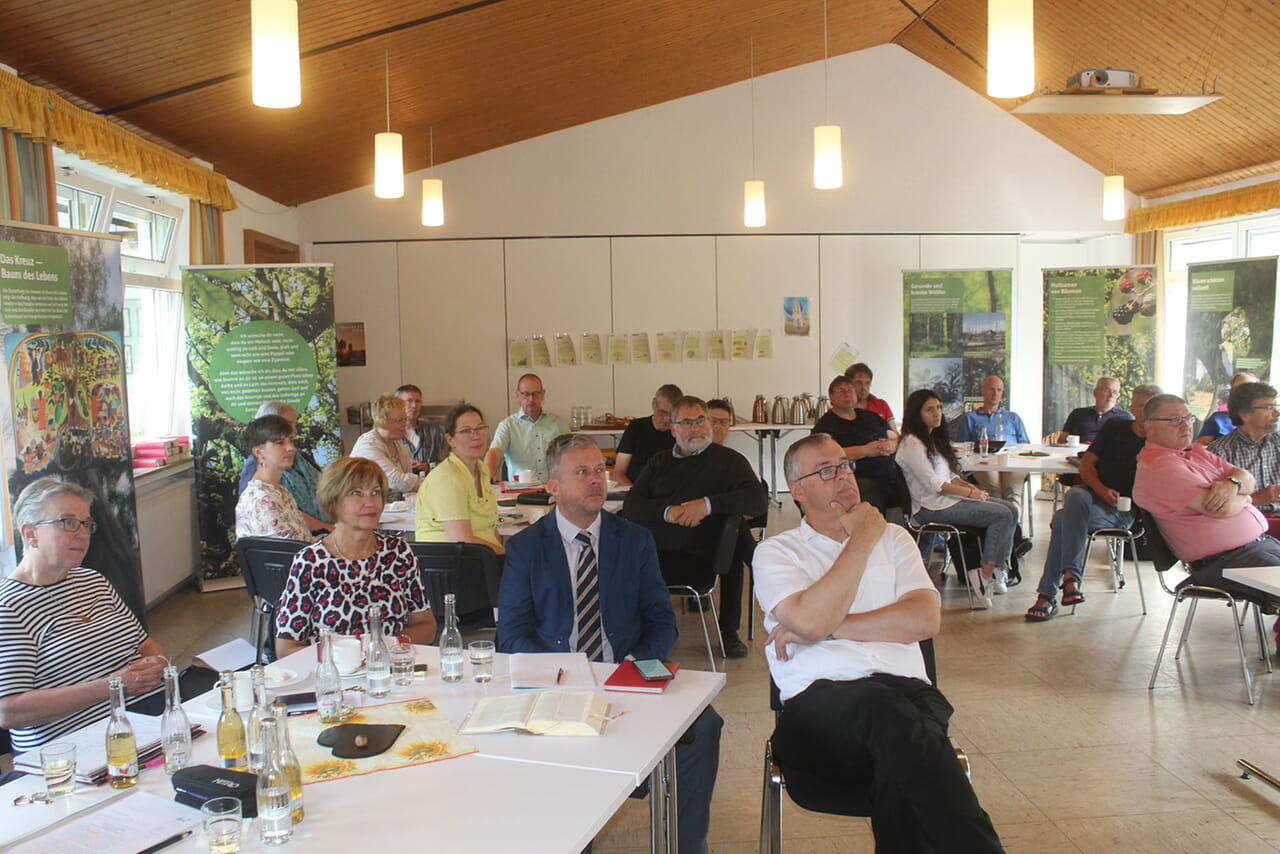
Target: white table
point(511, 520)
point(1009, 460)
point(1264, 578)
point(636, 746)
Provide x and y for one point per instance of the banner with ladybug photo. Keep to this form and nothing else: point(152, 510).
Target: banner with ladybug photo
point(1098, 322)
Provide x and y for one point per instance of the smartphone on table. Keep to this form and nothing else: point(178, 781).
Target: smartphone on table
point(653, 670)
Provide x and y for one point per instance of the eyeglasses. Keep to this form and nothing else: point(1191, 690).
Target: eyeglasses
point(721, 422)
point(700, 421)
point(1266, 407)
point(831, 472)
point(1177, 420)
point(539, 393)
point(71, 524)
point(468, 432)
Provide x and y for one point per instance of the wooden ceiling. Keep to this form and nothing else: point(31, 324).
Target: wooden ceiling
point(493, 72)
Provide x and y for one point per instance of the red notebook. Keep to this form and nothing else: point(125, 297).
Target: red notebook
point(627, 678)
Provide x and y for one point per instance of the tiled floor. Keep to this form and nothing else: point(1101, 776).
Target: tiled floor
point(1070, 751)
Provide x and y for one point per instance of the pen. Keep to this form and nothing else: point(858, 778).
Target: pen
point(177, 837)
point(559, 675)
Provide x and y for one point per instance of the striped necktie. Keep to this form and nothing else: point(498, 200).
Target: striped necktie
point(590, 637)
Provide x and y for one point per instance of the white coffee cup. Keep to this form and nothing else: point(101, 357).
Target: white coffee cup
point(525, 476)
point(1073, 440)
point(348, 654)
point(1124, 504)
point(242, 692)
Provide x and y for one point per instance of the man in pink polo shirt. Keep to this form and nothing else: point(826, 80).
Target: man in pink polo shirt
point(1200, 500)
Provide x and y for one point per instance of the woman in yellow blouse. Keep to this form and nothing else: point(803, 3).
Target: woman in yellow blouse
point(456, 503)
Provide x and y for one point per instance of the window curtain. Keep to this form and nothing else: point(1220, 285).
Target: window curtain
point(1225, 205)
point(49, 118)
point(206, 234)
point(28, 181)
point(1146, 247)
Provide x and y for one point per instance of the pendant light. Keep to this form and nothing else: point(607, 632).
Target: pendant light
point(828, 166)
point(1113, 202)
point(388, 154)
point(432, 192)
point(753, 190)
point(1011, 55)
point(277, 76)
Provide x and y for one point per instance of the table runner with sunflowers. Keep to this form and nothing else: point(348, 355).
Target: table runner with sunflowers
point(429, 736)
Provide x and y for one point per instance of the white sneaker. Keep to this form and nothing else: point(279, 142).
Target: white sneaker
point(1000, 582)
point(981, 593)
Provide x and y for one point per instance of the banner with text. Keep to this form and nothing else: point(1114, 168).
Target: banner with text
point(64, 411)
point(1098, 322)
point(256, 334)
point(957, 325)
point(1231, 316)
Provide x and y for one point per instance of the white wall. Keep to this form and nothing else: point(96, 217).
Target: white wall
point(257, 213)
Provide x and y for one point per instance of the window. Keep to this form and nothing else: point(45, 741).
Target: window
point(1193, 250)
point(1262, 241)
point(144, 233)
point(77, 208)
point(155, 362)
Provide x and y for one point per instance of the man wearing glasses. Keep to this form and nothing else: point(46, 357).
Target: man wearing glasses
point(847, 600)
point(676, 493)
point(522, 438)
point(646, 437)
point(1202, 502)
point(1254, 444)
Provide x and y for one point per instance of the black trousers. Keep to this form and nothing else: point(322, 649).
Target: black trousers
point(893, 731)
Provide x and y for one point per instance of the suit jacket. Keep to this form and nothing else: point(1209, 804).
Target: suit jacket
point(536, 605)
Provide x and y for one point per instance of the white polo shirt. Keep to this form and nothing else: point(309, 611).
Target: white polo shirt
point(793, 560)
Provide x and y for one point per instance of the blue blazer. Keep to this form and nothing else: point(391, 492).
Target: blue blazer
point(536, 604)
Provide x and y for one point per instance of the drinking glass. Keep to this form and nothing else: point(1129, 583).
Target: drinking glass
point(58, 762)
point(481, 654)
point(222, 824)
point(402, 661)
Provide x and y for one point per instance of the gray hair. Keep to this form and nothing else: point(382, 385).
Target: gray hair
point(30, 505)
point(668, 393)
point(1156, 403)
point(791, 460)
point(276, 407)
point(563, 444)
point(1147, 390)
point(1244, 397)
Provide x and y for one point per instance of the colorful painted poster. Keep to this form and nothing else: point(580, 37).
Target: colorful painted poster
point(64, 404)
point(795, 315)
point(351, 347)
point(1231, 316)
point(256, 334)
point(957, 325)
point(1098, 322)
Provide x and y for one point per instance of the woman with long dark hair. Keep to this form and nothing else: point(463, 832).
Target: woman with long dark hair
point(940, 494)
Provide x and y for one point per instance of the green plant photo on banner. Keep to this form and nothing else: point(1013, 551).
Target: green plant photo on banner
point(256, 334)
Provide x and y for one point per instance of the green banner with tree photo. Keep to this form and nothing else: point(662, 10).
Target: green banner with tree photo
point(1098, 322)
point(1231, 316)
point(255, 334)
point(957, 325)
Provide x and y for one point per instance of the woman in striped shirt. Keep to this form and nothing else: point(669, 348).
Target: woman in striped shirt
point(63, 628)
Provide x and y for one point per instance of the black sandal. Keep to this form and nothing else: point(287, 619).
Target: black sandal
point(1071, 597)
point(1039, 613)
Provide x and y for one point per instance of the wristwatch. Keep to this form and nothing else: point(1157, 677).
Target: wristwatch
point(1238, 482)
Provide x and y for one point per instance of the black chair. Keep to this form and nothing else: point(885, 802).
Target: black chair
point(812, 791)
point(1117, 540)
point(264, 566)
point(1163, 558)
point(693, 578)
point(471, 572)
point(948, 532)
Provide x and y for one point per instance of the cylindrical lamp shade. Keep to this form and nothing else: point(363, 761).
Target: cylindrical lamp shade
point(1011, 50)
point(277, 75)
point(828, 165)
point(753, 204)
point(432, 201)
point(1113, 197)
point(388, 166)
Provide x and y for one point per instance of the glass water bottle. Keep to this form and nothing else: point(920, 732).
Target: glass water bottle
point(328, 682)
point(122, 748)
point(451, 653)
point(253, 733)
point(175, 726)
point(275, 824)
point(377, 658)
point(232, 749)
point(289, 760)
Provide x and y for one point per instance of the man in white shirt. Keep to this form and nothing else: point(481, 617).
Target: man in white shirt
point(523, 436)
point(846, 601)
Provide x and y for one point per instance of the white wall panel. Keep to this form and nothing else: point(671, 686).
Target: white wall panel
point(663, 284)
point(452, 323)
point(555, 286)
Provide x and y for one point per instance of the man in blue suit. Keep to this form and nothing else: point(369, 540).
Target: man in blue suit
point(581, 580)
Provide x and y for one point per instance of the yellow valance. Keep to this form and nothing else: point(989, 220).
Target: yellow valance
point(47, 117)
point(1226, 205)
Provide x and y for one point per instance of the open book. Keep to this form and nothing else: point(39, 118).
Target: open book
point(541, 713)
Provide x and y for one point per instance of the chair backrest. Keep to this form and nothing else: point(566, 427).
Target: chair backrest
point(727, 544)
point(470, 571)
point(1162, 557)
point(264, 565)
point(926, 652)
point(902, 492)
point(762, 521)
